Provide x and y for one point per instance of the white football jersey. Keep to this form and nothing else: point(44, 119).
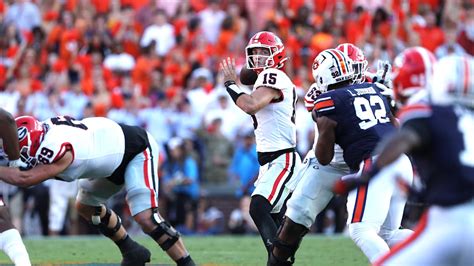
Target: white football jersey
point(274, 125)
point(98, 146)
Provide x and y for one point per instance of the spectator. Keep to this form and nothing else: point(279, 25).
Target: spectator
point(218, 150)
point(24, 14)
point(244, 167)
point(211, 20)
point(119, 61)
point(210, 219)
point(161, 32)
point(450, 46)
point(181, 185)
point(240, 221)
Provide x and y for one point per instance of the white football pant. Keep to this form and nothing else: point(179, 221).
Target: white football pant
point(444, 236)
point(375, 211)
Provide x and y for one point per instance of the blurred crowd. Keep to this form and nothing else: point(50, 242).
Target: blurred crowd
point(154, 63)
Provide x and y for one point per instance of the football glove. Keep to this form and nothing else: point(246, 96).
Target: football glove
point(28, 161)
point(383, 74)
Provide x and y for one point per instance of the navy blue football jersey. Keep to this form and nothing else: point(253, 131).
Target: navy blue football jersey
point(363, 119)
point(446, 160)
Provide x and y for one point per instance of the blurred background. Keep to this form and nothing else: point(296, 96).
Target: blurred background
point(154, 63)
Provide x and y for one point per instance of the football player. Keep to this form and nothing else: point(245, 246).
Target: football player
point(105, 157)
point(272, 106)
point(357, 116)
point(445, 160)
point(10, 239)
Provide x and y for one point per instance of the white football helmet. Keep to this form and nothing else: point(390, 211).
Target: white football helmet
point(331, 66)
point(453, 81)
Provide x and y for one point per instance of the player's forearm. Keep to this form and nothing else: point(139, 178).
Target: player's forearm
point(398, 144)
point(241, 99)
point(16, 177)
point(247, 104)
point(9, 135)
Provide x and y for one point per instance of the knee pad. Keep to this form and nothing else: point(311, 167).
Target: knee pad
point(164, 228)
point(102, 223)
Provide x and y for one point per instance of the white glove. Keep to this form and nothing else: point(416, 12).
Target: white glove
point(383, 74)
point(310, 97)
point(17, 164)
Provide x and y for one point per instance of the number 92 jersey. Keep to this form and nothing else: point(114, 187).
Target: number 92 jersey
point(274, 125)
point(363, 116)
point(97, 144)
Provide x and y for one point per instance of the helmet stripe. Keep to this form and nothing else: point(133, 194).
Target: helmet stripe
point(341, 61)
point(337, 61)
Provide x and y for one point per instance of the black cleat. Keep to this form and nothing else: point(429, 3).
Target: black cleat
point(137, 256)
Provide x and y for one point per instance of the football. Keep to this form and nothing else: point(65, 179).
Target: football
point(247, 76)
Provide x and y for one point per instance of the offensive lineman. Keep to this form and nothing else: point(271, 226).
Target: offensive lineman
point(104, 156)
point(10, 239)
point(272, 108)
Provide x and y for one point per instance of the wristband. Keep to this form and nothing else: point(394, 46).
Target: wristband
point(234, 91)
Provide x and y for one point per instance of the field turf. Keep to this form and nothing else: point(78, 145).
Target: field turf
point(208, 250)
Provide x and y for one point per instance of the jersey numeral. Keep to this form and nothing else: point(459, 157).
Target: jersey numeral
point(45, 155)
point(68, 121)
point(269, 78)
point(371, 111)
point(466, 125)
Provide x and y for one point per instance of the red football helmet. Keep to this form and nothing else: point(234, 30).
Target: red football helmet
point(412, 70)
point(30, 134)
point(359, 63)
point(273, 57)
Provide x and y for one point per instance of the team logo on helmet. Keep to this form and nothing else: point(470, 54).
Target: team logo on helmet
point(22, 133)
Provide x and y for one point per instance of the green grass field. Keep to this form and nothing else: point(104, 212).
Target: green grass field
point(212, 250)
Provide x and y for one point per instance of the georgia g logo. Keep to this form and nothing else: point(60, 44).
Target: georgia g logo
point(22, 132)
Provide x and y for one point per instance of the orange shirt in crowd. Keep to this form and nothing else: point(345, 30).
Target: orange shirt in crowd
point(141, 73)
point(430, 38)
point(129, 46)
point(135, 4)
point(223, 43)
point(101, 6)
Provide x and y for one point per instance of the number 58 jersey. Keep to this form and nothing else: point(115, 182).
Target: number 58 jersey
point(363, 118)
point(97, 144)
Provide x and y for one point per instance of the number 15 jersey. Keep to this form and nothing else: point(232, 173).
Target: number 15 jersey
point(274, 124)
point(362, 116)
point(97, 144)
